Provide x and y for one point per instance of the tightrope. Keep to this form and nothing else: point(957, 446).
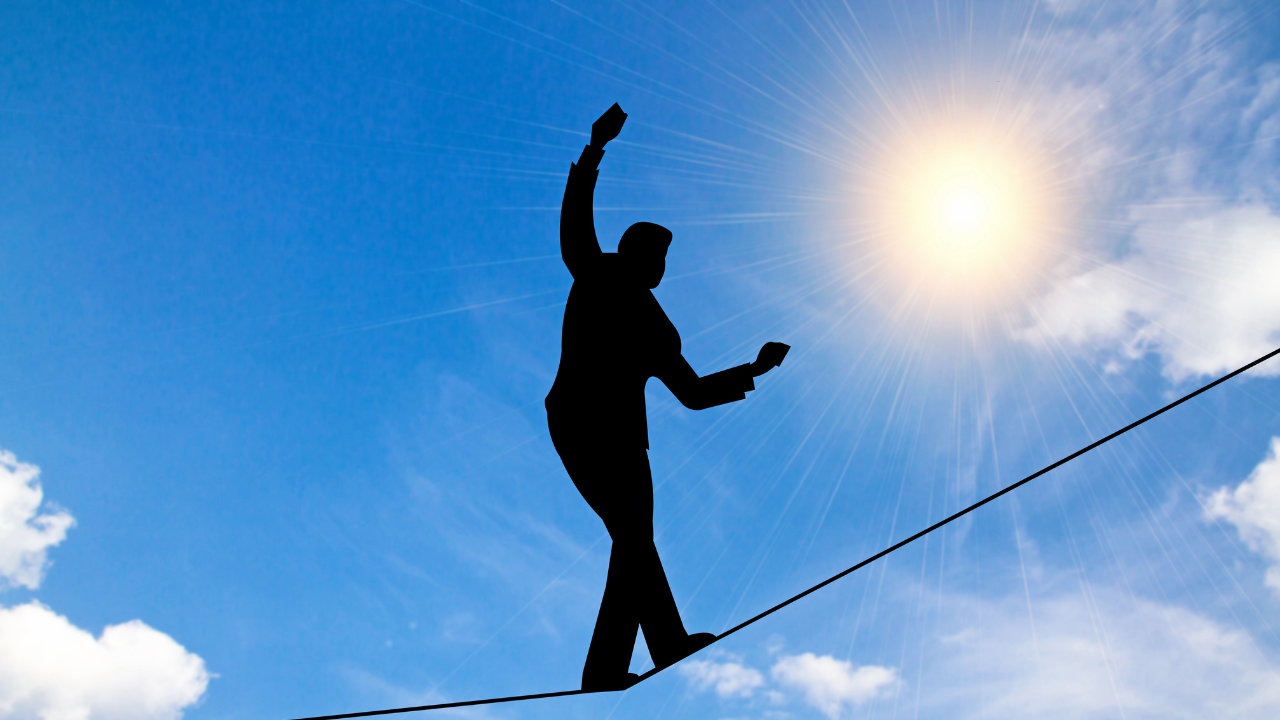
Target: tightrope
point(837, 576)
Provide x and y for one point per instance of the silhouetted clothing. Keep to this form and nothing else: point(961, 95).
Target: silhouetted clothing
point(616, 335)
point(616, 483)
point(615, 338)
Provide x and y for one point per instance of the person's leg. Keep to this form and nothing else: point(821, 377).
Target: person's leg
point(647, 588)
point(654, 604)
point(614, 637)
point(606, 476)
point(617, 483)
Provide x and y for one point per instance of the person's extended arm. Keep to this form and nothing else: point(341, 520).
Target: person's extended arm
point(578, 244)
point(726, 386)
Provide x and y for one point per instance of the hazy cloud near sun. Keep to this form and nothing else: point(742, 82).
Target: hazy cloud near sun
point(1253, 507)
point(1181, 143)
point(25, 532)
point(1096, 654)
point(1199, 291)
point(52, 670)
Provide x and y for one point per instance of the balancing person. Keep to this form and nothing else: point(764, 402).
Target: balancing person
point(615, 338)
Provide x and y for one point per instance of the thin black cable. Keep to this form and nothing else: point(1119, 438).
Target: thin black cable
point(833, 578)
point(995, 495)
point(442, 706)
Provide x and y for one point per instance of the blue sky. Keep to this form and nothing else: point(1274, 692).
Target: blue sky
point(282, 300)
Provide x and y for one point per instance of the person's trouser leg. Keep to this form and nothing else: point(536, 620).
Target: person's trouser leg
point(664, 631)
point(614, 637)
point(636, 596)
point(617, 484)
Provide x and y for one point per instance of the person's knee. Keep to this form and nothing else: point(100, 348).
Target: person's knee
point(633, 540)
point(628, 527)
point(631, 532)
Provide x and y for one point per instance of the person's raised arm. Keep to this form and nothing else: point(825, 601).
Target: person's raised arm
point(578, 244)
point(726, 386)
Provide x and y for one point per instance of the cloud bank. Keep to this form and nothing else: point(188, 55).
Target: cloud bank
point(25, 532)
point(1254, 508)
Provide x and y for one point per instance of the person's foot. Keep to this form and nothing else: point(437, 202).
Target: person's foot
point(608, 683)
point(692, 644)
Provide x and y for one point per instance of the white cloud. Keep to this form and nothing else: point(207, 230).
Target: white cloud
point(1201, 292)
point(830, 685)
point(52, 670)
point(1254, 508)
point(728, 678)
point(25, 533)
point(1096, 655)
point(1173, 125)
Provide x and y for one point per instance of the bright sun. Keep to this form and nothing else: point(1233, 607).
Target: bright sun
point(960, 211)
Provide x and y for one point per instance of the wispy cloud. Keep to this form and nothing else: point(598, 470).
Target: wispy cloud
point(1199, 291)
point(1176, 130)
point(1098, 654)
point(1253, 507)
point(730, 678)
point(25, 532)
point(386, 693)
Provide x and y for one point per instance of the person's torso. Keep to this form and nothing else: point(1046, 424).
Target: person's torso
point(615, 337)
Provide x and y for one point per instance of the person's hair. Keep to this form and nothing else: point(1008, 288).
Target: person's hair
point(645, 238)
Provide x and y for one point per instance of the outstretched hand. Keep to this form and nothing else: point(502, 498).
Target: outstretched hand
point(770, 357)
point(608, 126)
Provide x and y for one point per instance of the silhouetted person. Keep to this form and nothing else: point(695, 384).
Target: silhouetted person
point(615, 338)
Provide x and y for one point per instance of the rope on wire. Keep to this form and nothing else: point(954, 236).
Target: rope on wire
point(837, 576)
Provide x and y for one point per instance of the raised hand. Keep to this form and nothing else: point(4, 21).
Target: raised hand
point(770, 357)
point(608, 126)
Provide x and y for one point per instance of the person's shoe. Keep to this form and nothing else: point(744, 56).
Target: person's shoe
point(692, 644)
point(596, 683)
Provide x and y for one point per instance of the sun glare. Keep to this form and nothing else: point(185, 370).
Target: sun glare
point(962, 209)
point(962, 212)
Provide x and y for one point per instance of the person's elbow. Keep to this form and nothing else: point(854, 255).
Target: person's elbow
point(691, 398)
point(705, 400)
point(695, 403)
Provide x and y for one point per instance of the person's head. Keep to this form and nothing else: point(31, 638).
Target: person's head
point(644, 246)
